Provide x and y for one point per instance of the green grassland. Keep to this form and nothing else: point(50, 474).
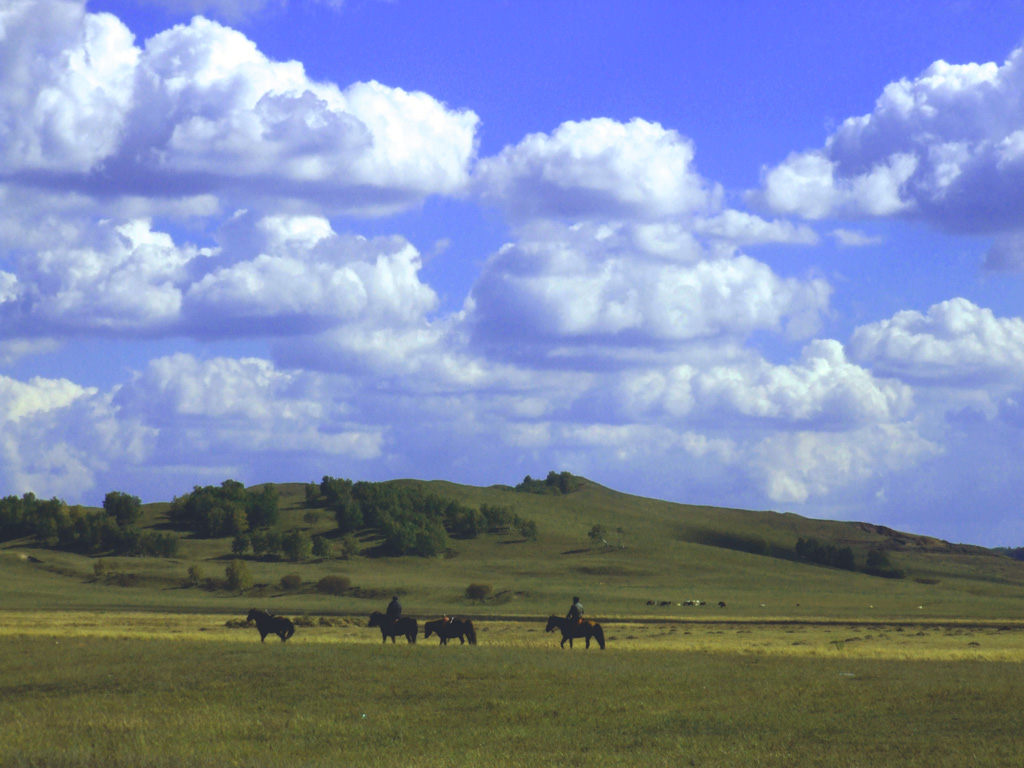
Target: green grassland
point(72, 699)
point(805, 665)
point(657, 561)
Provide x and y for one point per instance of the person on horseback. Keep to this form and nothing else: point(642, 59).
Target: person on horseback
point(394, 609)
point(575, 610)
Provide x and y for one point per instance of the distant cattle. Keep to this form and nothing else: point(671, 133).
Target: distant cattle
point(721, 603)
point(663, 603)
point(651, 602)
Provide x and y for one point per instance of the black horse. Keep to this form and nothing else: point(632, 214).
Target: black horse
point(271, 625)
point(573, 628)
point(449, 630)
point(394, 627)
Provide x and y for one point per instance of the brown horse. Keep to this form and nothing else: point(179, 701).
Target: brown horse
point(394, 627)
point(449, 630)
point(573, 628)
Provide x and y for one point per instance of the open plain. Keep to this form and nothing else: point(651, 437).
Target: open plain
point(127, 664)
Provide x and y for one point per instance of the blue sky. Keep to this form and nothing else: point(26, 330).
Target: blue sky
point(721, 253)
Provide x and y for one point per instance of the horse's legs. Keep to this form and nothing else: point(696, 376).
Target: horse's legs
point(588, 642)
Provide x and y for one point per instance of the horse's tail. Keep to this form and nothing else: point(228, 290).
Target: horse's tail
point(599, 634)
point(470, 632)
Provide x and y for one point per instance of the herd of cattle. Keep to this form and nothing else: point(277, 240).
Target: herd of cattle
point(666, 603)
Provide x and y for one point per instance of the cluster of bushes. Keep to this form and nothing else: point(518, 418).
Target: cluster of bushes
point(111, 529)
point(754, 545)
point(227, 510)
point(878, 565)
point(411, 521)
point(556, 483)
point(293, 545)
point(822, 553)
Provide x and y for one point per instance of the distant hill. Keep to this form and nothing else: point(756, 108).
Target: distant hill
point(618, 551)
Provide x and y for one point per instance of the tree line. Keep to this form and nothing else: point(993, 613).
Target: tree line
point(410, 520)
point(111, 529)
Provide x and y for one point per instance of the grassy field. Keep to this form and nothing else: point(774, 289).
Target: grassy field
point(804, 665)
point(93, 689)
point(656, 563)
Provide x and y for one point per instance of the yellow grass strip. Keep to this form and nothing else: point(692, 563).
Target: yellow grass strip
point(947, 641)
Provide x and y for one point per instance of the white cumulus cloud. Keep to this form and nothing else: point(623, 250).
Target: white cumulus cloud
point(598, 168)
point(953, 342)
point(947, 146)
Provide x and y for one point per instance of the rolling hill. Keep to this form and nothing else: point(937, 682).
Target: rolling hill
point(652, 552)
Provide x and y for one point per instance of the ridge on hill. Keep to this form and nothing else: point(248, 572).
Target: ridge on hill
point(647, 552)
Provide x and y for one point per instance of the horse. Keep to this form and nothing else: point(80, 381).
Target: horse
point(271, 625)
point(449, 630)
point(572, 628)
point(394, 627)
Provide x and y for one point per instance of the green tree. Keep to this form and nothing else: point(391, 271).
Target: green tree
point(240, 545)
point(122, 507)
point(597, 535)
point(321, 548)
point(296, 545)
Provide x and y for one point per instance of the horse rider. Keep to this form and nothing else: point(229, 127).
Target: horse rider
point(575, 610)
point(394, 609)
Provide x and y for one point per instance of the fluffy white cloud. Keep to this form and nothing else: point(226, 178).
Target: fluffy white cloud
point(66, 84)
point(123, 278)
point(955, 342)
point(598, 168)
point(793, 467)
point(215, 105)
point(226, 407)
point(57, 438)
point(822, 388)
point(305, 277)
point(808, 185)
point(274, 275)
point(584, 284)
point(201, 110)
point(947, 146)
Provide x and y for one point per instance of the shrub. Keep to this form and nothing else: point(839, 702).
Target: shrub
point(528, 529)
point(239, 578)
point(291, 581)
point(100, 568)
point(333, 585)
point(195, 576)
point(478, 591)
point(348, 546)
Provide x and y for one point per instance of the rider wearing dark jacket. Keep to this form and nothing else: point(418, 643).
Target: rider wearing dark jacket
point(575, 610)
point(394, 610)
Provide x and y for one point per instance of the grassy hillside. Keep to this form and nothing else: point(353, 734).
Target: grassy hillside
point(654, 555)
